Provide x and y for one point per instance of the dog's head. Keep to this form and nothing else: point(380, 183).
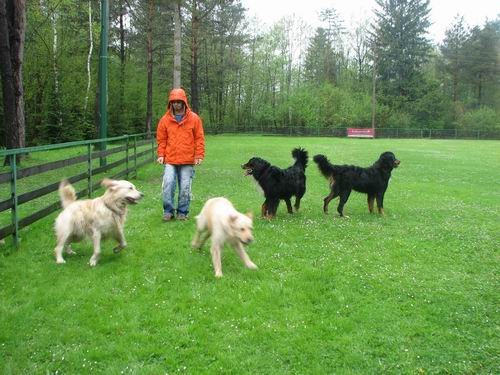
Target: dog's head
point(121, 191)
point(255, 166)
point(241, 226)
point(388, 161)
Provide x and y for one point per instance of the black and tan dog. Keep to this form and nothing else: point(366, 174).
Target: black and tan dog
point(278, 183)
point(372, 181)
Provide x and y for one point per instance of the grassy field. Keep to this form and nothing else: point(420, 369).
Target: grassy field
point(414, 292)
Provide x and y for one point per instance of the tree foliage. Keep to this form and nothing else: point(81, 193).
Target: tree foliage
point(401, 48)
point(242, 75)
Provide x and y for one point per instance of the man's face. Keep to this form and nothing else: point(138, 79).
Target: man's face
point(177, 106)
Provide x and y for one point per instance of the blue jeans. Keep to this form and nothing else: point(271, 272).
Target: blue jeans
point(173, 175)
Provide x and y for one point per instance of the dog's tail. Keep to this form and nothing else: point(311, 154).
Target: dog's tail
point(67, 193)
point(301, 157)
point(325, 167)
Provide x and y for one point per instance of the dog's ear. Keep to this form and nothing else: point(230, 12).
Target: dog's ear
point(233, 218)
point(250, 215)
point(107, 183)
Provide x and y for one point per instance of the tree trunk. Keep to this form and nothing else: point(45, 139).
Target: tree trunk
point(122, 67)
point(374, 92)
point(251, 83)
point(208, 86)
point(55, 67)
point(149, 110)
point(196, 18)
point(89, 57)
point(9, 100)
point(177, 45)
point(238, 100)
point(195, 25)
point(480, 90)
point(12, 31)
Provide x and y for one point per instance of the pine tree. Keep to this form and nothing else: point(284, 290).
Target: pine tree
point(320, 62)
point(401, 47)
point(453, 50)
point(483, 61)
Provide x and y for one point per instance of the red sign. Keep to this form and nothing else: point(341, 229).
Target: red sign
point(361, 132)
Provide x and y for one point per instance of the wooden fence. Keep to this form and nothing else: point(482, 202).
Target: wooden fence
point(130, 151)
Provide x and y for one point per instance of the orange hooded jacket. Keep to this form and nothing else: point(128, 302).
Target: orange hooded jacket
point(180, 142)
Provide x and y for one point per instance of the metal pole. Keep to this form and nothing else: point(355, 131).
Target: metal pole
point(103, 77)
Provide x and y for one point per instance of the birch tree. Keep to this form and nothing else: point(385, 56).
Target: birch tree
point(89, 58)
point(55, 67)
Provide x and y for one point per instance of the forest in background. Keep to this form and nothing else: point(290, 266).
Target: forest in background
point(240, 75)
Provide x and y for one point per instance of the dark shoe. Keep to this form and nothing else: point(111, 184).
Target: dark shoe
point(168, 217)
point(181, 217)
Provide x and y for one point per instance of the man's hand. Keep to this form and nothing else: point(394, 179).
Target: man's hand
point(160, 160)
point(198, 161)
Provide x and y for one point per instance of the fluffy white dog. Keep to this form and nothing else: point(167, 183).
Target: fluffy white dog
point(219, 220)
point(96, 219)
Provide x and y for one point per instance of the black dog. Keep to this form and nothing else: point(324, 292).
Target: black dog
point(279, 183)
point(344, 178)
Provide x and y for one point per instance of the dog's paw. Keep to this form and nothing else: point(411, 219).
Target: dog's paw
point(93, 262)
point(251, 266)
point(70, 251)
point(118, 248)
point(60, 261)
point(196, 245)
point(218, 275)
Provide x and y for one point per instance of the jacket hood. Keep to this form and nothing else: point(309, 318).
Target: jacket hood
point(178, 94)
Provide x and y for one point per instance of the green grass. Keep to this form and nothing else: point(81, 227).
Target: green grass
point(413, 292)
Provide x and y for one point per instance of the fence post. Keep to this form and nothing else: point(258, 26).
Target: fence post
point(89, 170)
point(135, 156)
point(152, 149)
point(126, 155)
point(13, 190)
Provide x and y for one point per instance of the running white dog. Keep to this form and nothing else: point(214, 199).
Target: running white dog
point(220, 220)
point(96, 219)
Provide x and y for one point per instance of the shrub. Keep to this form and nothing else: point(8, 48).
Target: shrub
point(482, 118)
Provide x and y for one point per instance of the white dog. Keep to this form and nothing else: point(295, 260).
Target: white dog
point(220, 220)
point(94, 218)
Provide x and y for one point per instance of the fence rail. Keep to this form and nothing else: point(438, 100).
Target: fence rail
point(379, 132)
point(133, 151)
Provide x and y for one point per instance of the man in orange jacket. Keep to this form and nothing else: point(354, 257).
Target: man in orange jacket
point(181, 146)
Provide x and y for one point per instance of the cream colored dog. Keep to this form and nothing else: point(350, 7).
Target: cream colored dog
point(220, 220)
point(96, 219)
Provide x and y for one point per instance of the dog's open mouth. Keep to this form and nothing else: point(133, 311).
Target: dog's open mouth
point(131, 200)
point(248, 170)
